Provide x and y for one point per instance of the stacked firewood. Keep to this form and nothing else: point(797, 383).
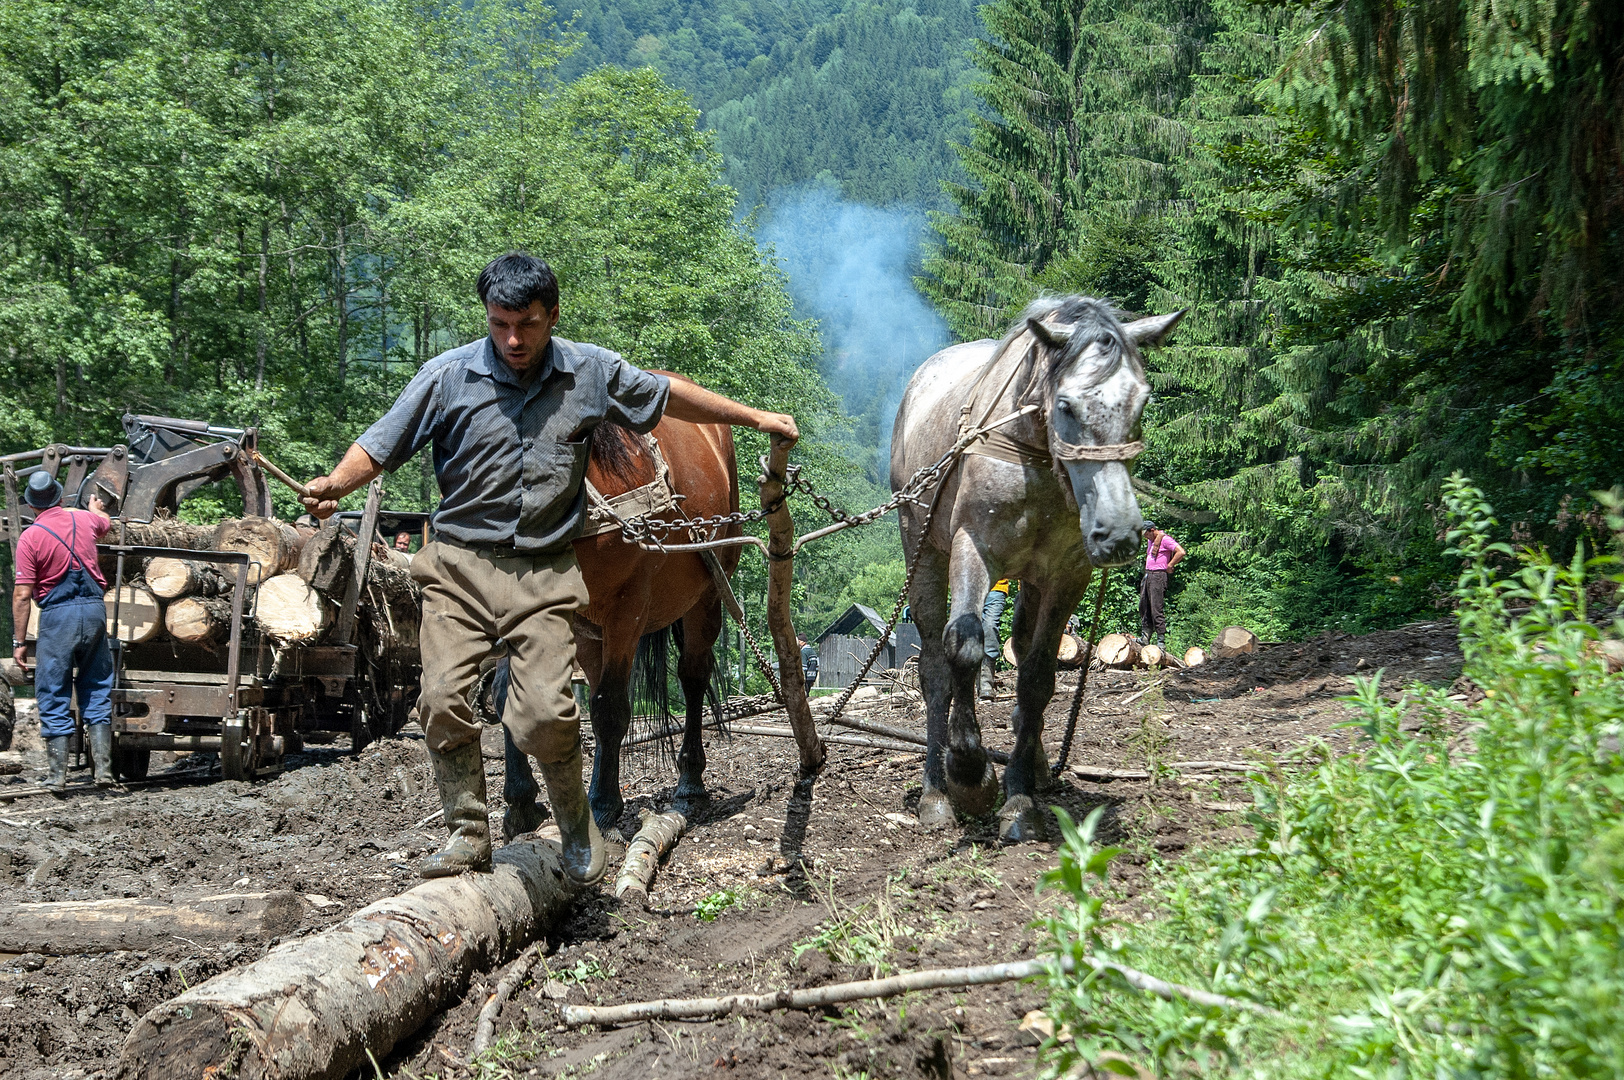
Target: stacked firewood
point(297, 580)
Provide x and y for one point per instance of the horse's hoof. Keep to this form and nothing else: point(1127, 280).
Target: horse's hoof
point(607, 815)
point(1020, 821)
point(691, 804)
point(522, 817)
point(935, 811)
point(974, 799)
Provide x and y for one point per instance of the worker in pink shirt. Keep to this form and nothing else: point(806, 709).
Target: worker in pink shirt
point(57, 568)
point(1162, 553)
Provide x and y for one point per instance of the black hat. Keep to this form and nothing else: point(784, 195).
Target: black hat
point(1147, 526)
point(43, 491)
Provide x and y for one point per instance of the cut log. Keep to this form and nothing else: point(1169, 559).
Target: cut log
point(1118, 651)
point(164, 532)
point(171, 579)
point(1233, 641)
point(1195, 656)
point(1151, 656)
point(1009, 653)
point(328, 560)
point(273, 546)
point(199, 620)
point(314, 1007)
point(655, 838)
point(291, 611)
point(1070, 654)
point(140, 614)
point(71, 927)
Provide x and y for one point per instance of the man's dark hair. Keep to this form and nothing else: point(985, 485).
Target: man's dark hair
point(515, 280)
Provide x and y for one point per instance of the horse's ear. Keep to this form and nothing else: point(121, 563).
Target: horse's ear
point(1054, 337)
point(1153, 329)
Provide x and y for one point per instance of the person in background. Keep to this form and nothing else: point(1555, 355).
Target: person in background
point(403, 542)
point(809, 661)
point(992, 612)
point(57, 568)
point(1162, 553)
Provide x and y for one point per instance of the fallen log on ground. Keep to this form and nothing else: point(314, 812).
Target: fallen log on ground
point(72, 927)
point(1195, 656)
point(657, 835)
point(311, 1009)
point(172, 579)
point(1118, 651)
point(839, 740)
point(1152, 656)
point(272, 546)
point(1070, 653)
point(928, 979)
point(1233, 641)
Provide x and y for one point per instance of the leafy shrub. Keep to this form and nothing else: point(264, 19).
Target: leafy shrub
point(1444, 902)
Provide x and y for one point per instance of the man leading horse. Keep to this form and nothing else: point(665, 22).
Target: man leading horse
point(509, 417)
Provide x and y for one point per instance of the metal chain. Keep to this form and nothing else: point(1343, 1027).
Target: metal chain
point(761, 662)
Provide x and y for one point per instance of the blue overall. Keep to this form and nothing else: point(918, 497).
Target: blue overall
point(72, 634)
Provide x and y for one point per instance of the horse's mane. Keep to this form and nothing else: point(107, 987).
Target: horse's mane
point(618, 453)
point(1089, 321)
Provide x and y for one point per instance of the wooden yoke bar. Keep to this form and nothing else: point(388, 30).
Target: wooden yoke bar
point(781, 574)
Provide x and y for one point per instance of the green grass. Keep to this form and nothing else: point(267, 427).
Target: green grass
point(1430, 905)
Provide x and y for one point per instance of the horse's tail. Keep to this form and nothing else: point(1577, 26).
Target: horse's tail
point(650, 692)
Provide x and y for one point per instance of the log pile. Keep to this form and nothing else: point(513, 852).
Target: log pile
point(296, 583)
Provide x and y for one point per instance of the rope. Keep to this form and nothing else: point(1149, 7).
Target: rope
point(1082, 679)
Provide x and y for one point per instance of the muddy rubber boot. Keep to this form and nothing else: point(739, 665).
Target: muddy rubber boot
point(101, 754)
point(460, 775)
point(56, 760)
point(1161, 641)
point(986, 687)
point(585, 855)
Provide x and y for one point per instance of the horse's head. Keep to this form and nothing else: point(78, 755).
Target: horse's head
point(1091, 382)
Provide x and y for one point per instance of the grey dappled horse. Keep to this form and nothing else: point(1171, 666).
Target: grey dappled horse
point(1045, 501)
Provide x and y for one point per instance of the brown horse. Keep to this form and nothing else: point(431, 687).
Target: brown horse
point(634, 592)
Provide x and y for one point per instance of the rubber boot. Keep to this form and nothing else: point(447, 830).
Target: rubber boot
point(56, 758)
point(585, 855)
point(1161, 641)
point(985, 685)
point(101, 753)
point(460, 775)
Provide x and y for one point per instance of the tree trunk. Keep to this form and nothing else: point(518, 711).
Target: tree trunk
point(291, 611)
point(171, 579)
point(274, 546)
point(140, 614)
point(199, 620)
point(1234, 641)
point(166, 532)
point(1151, 656)
point(1195, 656)
point(97, 926)
point(312, 1008)
point(1118, 651)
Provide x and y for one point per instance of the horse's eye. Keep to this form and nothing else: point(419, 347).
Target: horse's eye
point(1065, 407)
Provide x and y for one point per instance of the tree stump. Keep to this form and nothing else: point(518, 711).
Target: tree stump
point(1234, 641)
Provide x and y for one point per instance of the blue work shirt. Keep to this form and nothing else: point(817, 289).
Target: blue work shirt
point(510, 456)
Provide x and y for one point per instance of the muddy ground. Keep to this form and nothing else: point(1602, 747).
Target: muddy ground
point(876, 893)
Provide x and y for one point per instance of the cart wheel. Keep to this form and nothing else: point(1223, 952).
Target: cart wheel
point(131, 763)
point(234, 750)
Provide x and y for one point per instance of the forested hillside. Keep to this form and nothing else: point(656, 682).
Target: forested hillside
point(867, 95)
point(1395, 228)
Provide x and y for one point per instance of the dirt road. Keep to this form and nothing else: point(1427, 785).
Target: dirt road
point(731, 911)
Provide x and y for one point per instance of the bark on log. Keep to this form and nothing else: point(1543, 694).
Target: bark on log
point(291, 611)
point(655, 838)
point(1195, 656)
point(1233, 641)
point(165, 532)
point(140, 614)
point(311, 1009)
point(328, 559)
point(273, 546)
point(171, 579)
point(72, 927)
point(1118, 650)
point(199, 620)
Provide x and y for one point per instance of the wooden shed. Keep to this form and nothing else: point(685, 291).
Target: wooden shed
point(841, 652)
